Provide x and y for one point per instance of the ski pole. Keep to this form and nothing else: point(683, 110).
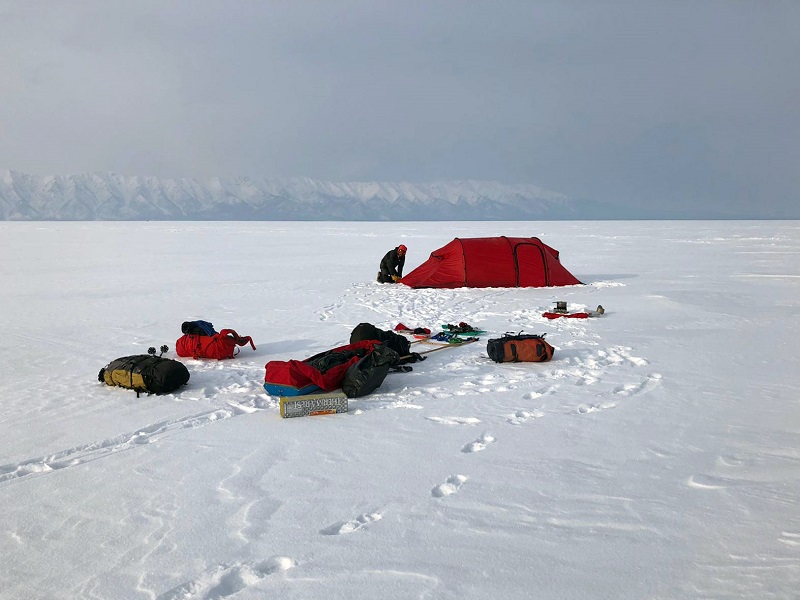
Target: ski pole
point(441, 348)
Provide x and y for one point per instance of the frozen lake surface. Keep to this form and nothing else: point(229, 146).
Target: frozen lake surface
point(656, 456)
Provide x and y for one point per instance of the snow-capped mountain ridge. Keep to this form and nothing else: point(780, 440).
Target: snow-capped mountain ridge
point(110, 196)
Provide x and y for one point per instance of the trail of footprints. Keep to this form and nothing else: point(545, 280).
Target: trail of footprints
point(227, 580)
point(588, 370)
point(583, 369)
point(78, 455)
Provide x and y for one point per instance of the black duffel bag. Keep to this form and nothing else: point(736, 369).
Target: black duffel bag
point(145, 373)
point(367, 374)
point(395, 341)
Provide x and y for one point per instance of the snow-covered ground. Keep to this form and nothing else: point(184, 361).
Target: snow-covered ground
point(657, 456)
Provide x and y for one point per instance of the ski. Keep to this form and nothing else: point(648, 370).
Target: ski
point(440, 346)
point(445, 337)
point(462, 330)
point(466, 334)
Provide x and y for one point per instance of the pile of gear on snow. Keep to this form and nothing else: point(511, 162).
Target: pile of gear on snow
point(307, 386)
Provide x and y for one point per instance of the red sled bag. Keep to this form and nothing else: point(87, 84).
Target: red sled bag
point(519, 348)
point(220, 345)
point(323, 371)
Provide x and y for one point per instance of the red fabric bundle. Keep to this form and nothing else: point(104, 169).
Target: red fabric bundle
point(554, 315)
point(220, 345)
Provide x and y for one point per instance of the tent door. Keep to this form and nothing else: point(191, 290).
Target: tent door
point(530, 263)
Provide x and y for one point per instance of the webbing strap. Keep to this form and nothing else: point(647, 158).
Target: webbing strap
point(239, 340)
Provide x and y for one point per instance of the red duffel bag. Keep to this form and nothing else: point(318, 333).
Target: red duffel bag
point(220, 345)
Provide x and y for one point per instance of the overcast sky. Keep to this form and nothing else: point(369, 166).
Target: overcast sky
point(691, 103)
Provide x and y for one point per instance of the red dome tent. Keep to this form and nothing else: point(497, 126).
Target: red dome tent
point(491, 262)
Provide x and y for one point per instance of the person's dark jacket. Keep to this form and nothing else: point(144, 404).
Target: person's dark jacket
point(392, 264)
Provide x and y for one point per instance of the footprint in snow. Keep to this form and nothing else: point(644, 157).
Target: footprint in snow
point(619, 354)
point(706, 482)
point(449, 487)
point(225, 581)
point(585, 409)
point(479, 444)
point(633, 389)
point(546, 391)
point(344, 527)
point(519, 417)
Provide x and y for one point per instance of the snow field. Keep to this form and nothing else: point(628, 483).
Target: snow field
point(654, 456)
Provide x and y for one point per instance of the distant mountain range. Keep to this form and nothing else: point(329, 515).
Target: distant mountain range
point(113, 197)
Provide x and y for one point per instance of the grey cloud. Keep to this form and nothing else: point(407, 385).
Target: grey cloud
point(689, 103)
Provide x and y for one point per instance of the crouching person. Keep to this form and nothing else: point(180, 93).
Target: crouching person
point(392, 265)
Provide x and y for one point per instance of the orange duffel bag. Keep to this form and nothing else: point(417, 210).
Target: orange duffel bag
point(520, 348)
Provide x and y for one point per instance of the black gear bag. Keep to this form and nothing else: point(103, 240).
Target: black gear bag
point(368, 374)
point(145, 373)
point(367, 331)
